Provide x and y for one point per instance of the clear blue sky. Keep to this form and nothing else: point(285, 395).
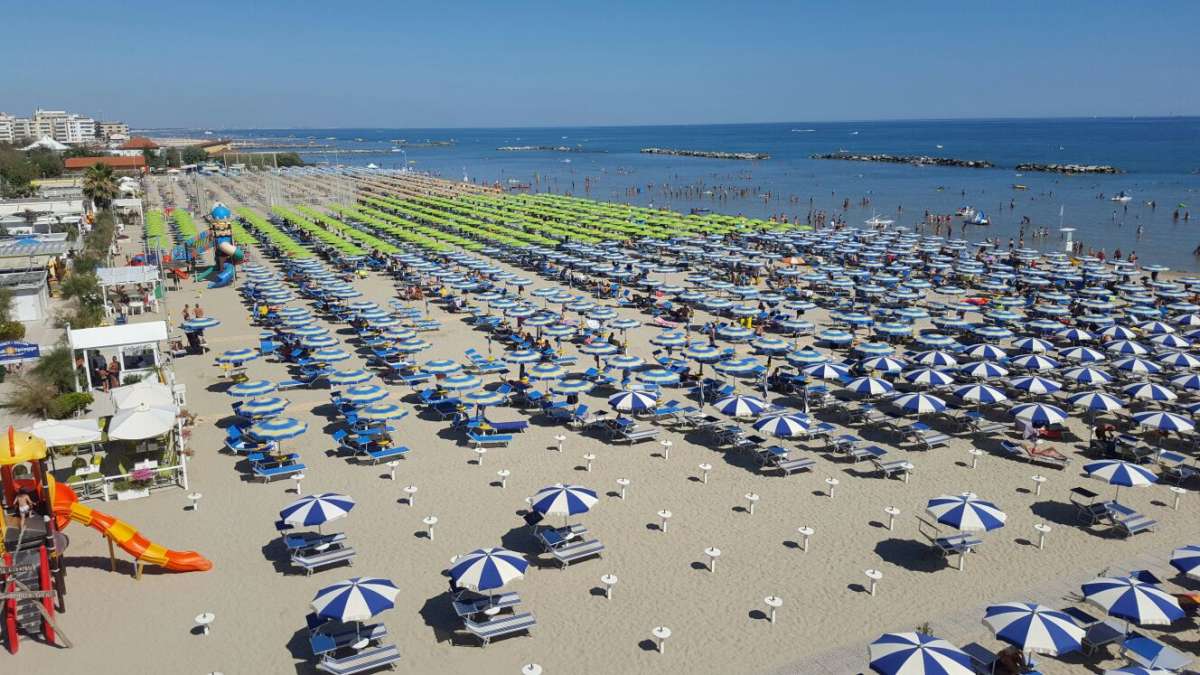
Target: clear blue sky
point(367, 63)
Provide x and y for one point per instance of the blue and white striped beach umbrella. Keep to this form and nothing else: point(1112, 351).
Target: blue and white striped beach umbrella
point(1074, 335)
point(671, 338)
point(237, 356)
point(1096, 401)
point(1038, 386)
point(734, 333)
point(624, 361)
point(1126, 348)
point(1086, 375)
point(966, 512)
point(346, 377)
point(806, 357)
point(318, 509)
point(1137, 365)
point(572, 386)
point(600, 348)
point(735, 366)
point(362, 394)
point(660, 376)
point(1033, 628)
point(919, 404)
point(882, 364)
point(633, 401)
point(321, 341)
point(1120, 473)
point(202, 323)
point(330, 355)
point(936, 358)
point(980, 393)
point(1164, 421)
point(870, 386)
point(1190, 381)
point(1177, 359)
point(1034, 362)
point(558, 330)
point(933, 340)
point(917, 654)
point(266, 406)
point(563, 500)
point(624, 324)
point(523, 356)
point(1038, 413)
point(356, 599)
point(485, 397)
point(1082, 355)
point(1032, 345)
point(441, 366)
point(1186, 559)
point(985, 352)
point(741, 406)
point(1134, 600)
point(252, 388)
point(1170, 341)
point(828, 371)
point(1156, 328)
point(412, 345)
point(381, 411)
point(278, 429)
point(487, 569)
point(460, 382)
point(1149, 391)
point(927, 377)
point(983, 370)
point(782, 425)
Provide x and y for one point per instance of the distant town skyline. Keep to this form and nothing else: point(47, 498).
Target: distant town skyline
point(474, 64)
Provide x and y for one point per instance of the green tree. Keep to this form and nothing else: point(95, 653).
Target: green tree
point(46, 163)
point(194, 154)
point(56, 368)
point(99, 184)
point(31, 395)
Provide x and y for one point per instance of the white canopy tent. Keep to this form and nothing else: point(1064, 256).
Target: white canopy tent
point(60, 433)
point(47, 143)
point(127, 276)
point(148, 392)
point(136, 345)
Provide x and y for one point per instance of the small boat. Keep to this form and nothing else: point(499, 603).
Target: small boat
point(1121, 197)
point(1018, 186)
point(972, 217)
point(879, 222)
point(940, 146)
point(853, 133)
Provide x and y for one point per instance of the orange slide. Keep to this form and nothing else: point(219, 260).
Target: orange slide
point(67, 508)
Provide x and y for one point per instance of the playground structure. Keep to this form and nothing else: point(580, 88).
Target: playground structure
point(32, 577)
point(226, 253)
point(193, 245)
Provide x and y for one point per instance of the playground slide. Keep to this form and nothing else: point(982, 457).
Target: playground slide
point(203, 274)
point(68, 508)
point(224, 278)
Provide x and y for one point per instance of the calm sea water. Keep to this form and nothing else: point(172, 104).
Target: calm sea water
point(1160, 158)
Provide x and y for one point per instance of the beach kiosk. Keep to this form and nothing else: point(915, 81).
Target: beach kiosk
point(135, 344)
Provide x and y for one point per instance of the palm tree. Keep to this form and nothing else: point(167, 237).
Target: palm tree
point(99, 185)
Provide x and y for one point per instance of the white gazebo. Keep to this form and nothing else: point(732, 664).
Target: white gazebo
point(128, 276)
point(135, 344)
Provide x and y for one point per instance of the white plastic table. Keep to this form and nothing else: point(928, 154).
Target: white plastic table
point(874, 576)
point(392, 468)
point(531, 669)
point(666, 446)
point(624, 483)
point(589, 458)
point(609, 580)
point(479, 453)
point(805, 533)
point(204, 621)
point(832, 483)
point(410, 493)
point(976, 453)
point(194, 498)
point(1038, 479)
point(1178, 492)
point(429, 521)
point(713, 553)
point(892, 512)
point(774, 603)
point(753, 499)
point(298, 478)
point(661, 633)
point(1042, 530)
point(705, 468)
point(665, 515)
point(560, 438)
point(503, 474)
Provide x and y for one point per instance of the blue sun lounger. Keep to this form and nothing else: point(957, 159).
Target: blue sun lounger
point(361, 661)
point(383, 454)
point(481, 440)
point(268, 473)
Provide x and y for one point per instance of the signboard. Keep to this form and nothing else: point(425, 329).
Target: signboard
point(17, 569)
point(12, 350)
point(26, 595)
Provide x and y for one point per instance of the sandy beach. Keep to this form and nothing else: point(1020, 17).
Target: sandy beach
point(718, 619)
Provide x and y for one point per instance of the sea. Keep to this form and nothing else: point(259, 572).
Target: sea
point(1159, 160)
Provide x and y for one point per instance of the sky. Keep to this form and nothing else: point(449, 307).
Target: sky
point(472, 63)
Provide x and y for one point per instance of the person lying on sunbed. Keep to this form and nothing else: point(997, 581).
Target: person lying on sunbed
point(1037, 449)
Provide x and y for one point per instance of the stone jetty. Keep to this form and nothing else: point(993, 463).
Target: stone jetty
point(705, 154)
point(917, 160)
point(543, 148)
point(1069, 168)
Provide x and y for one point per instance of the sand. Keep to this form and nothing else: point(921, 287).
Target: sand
point(120, 625)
